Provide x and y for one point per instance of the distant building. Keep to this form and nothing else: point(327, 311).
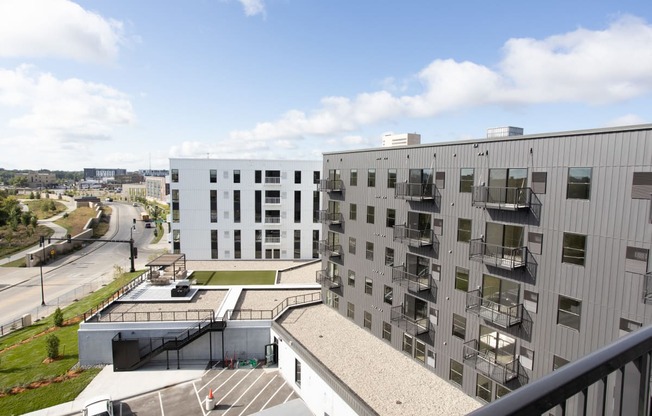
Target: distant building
point(39, 179)
point(133, 191)
point(157, 188)
point(404, 139)
point(102, 174)
point(154, 172)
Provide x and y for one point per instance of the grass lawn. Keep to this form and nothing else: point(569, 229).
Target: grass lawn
point(45, 208)
point(76, 220)
point(25, 362)
point(235, 277)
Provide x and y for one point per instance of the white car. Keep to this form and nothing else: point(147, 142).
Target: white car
point(98, 406)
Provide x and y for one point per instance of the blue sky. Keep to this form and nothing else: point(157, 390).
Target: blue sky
point(129, 84)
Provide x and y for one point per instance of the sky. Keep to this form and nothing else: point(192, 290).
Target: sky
point(130, 84)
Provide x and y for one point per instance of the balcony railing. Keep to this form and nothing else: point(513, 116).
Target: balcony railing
point(329, 217)
point(272, 200)
point(419, 327)
point(508, 258)
point(413, 282)
point(614, 380)
point(325, 279)
point(329, 249)
point(272, 239)
point(506, 199)
point(413, 237)
point(502, 315)
point(485, 362)
point(647, 291)
point(415, 191)
point(272, 180)
point(272, 220)
point(330, 185)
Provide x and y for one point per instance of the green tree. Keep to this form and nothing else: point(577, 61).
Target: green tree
point(18, 181)
point(52, 346)
point(58, 317)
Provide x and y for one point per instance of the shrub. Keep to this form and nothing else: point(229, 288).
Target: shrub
point(58, 317)
point(52, 346)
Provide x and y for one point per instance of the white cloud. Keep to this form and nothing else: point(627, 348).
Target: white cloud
point(57, 28)
point(253, 7)
point(626, 120)
point(591, 67)
point(69, 110)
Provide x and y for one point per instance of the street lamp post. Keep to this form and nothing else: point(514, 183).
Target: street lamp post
point(41, 266)
point(131, 245)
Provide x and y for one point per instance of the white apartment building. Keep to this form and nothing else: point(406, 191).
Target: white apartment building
point(245, 209)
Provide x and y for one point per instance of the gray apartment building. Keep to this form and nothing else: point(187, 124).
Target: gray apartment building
point(492, 262)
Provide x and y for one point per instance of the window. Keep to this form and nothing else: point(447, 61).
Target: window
point(353, 212)
point(456, 374)
point(258, 207)
point(297, 372)
point(569, 312)
point(466, 180)
point(351, 245)
point(297, 244)
point(315, 206)
point(258, 176)
point(315, 177)
point(483, 387)
point(407, 343)
point(440, 180)
point(213, 244)
point(574, 250)
point(579, 183)
point(463, 230)
point(213, 176)
point(371, 214)
point(236, 176)
point(388, 294)
point(353, 177)
point(459, 326)
point(371, 178)
point(351, 278)
point(297, 176)
point(389, 256)
point(641, 185)
point(420, 351)
point(213, 205)
point(236, 206)
point(368, 286)
point(369, 254)
point(558, 362)
point(237, 244)
point(367, 320)
point(387, 331)
point(526, 358)
point(176, 241)
point(461, 279)
point(501, 391)
point(391, 178)
point(390, 220)
point(531, 301)
point(539, 181)
point(175, 175)
point(350, 310)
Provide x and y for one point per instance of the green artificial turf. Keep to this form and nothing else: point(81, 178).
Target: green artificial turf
point(235, 277)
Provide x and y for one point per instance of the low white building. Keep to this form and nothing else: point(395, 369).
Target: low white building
point(245, 209)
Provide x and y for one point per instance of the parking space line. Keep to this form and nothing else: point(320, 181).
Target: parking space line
point(259, 393)
point(160, 400)
point(288, 398)
point(245, 392)
point(218, 374)
point(270, 399)
point(233, 388)
point(201, 402)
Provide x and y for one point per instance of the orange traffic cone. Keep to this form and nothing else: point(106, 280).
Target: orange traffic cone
point(210, 394)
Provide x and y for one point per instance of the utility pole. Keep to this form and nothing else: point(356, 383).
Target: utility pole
point(41, 266)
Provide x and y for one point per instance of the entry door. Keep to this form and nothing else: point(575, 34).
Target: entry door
point(504, 184)
point(502, 238)
point(496, 345)
point(271, 353)
point(503, 293)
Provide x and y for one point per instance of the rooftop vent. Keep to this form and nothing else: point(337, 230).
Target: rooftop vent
point(404, 139)
point(504, 132)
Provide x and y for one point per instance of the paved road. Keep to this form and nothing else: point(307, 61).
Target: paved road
point(73, 276)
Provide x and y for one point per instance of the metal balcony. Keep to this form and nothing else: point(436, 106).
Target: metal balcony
point(421, 328)
point(415, 191)
point(506, 199)
point(273, 220)
point(272, 200)
point(485, 362)
point(414, 238)
point(508, 258)
point(414, 283)
point(614, 380)
point(331, 218)
point(502, 315)
point(272, 240)
point(327, 280)
point(330, 185)
point(647, 291)
point(329, 249)
point(272, 180)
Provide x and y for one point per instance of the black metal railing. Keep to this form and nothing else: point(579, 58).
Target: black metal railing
point(501, 370)
point(329, 217)
point(614, 380)
point(414, 282)
point(272, 180)
point(415, 191)
point(325, 279)
point(415, 237)
point(329, 249)
point(508, 258)
point(421, 327)
point(118, 293)
point(154, 316)
point(504, 316)
point(330, 185)
point(271, 314)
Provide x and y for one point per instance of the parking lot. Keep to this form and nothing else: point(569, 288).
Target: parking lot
point(236, 392)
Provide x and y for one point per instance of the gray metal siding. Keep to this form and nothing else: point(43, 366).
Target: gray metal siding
point(611, 220)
